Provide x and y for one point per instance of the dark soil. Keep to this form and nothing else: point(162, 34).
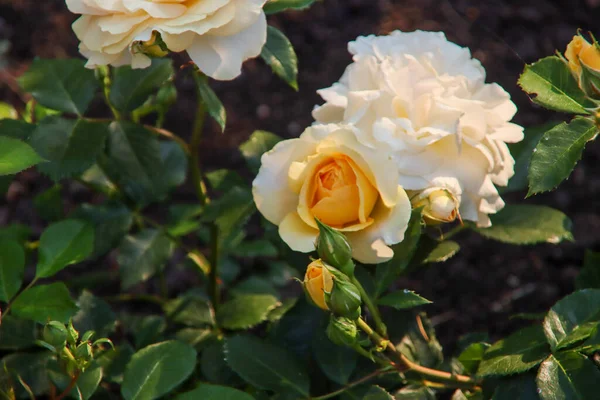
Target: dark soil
point(487, 282)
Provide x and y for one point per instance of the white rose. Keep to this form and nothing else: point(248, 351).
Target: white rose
point(218, 35)
point(328, 174)
point(426, 99)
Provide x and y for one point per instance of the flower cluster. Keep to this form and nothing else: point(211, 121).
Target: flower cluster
point(411, 118)
point(218, 35)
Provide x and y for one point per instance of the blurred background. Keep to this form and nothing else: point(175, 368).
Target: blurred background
point(487, 282)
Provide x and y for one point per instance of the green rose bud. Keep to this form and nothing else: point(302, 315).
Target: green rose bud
point(55, 334)
point(334, 249)
point(342, 331)
point(84, 352)
point(344, 299)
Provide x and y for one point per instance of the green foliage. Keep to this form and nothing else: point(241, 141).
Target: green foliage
point(528, 224)
point(246, 311)
point(157, 369)
point(214, 392)
point(279, 53)
point(257, 144)
point(471, 357)
point(520, 387)
point(589, 277)
point(210, 100)
point(142, 255)
point(49, 204)
point(557, 153)
point(442, 251)
point(63, 85)
point(275, 6)
point(567, 375)
point(15, 156)
point(12, 268)
point(266, 365)
point(553, 86)
point(45, 302)
point(403, 299)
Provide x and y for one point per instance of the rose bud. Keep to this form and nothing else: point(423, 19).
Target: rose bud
point(55, 334)
point(342, 331)
point(334, 249)
point(344, 299)
point(317, 281)
point(439, 205)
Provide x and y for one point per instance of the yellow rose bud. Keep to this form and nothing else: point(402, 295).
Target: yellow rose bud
point(340, 193)
point(578, 51)
point(439, 205)
point(317, 281)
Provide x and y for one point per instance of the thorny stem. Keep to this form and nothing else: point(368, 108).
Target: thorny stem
point(352, 384)
point(433, 374)
point(379, 325)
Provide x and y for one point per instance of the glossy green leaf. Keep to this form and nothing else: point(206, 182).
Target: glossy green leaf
point(12, 268)
point(189, 310)
point(157, 369)
point(174, 164)
point(257, 144)
point(275, 6)
point(69, 146)
point(279, 54)
point(403, 252)
point(131, 87)
point(246, 311)
point(214, 367)
point(60, 84)
point(402, 299)
point(528, 224)
point(16, 129)
point(266, 365)
point(520, 387)
point(49, 205)
point(211, 101)
point(379, 393)
point(589, 276)
point(224, 179)
point(63, 243)
point(518, 353)
point(30, 367)
point(142, 255)
point(86, 385)
point(571, 314)
point(94, 315)
point(113, 362)
point(111, 222)
point(553, 86)
point(557, 153)
point(336, 362)
point(16, 333)
point(17, 232)
point(45, 302)
point(207, 391)
point(133, 161)
point(568, 375)
point(442, 251)
point(15, 156)
point(230, 213)
point(472, 356)
point(414, 392)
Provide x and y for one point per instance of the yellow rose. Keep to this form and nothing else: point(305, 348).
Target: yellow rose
point(578, 51)
point(439, 205)
point(317, 281)
point(327, 174)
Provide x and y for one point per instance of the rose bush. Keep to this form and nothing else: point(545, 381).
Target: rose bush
point(328, 174)
point(426, 99)
point(218, 35)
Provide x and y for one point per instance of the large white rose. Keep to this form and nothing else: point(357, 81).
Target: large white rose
point(426, 99)
point(328, 174)
point(218, 35)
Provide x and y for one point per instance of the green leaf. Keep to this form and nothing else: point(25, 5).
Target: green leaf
point(472, 356)
point(520, 387)
point(557, 153)
point(214, 367)
point(111, 222)
point(403, 252)
point(266, 365)
point(554, 87)
point(147, 329)
point(414, 392)
point(133, 161)
point(18, 232)
point(16, 333)
point(207, 391)
point(442, 251)
point(230, 213)
point(275, 6)
point(528, 224)
point(48, 204)
point(256, 248)
point(45, 302)
point(16, 129)
point(518, 353)
point(279, 54)
point(189, 310)
point(379, 393)
point(337, 362)
point(403, 299)
point(246, 311)
point(94, 315)
point(142, 255)
point(113, 362)
point(62, 244)
point(224, 179)
point(592, 344)
point(131, 87)
point(257, 144)
point(86, 385)
point(69, 146)
point(589, 276)
point(174, 164)
point(568, 375)
point(31, 368)
point(157, 369)
point(64, 85)
point(423, 349)
point(211, 101)
point(570, 314)
point(12, 268)
point(15, 156)
point(7, 111)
